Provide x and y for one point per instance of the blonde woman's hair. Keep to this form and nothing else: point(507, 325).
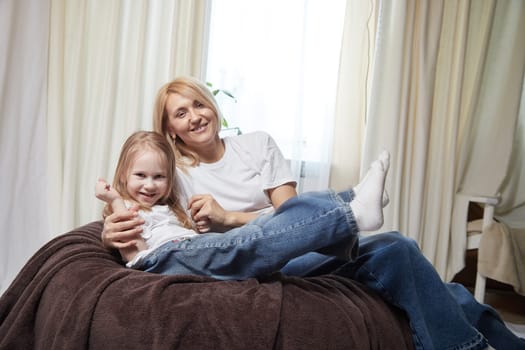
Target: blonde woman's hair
point(191, 88)
point(134, 145)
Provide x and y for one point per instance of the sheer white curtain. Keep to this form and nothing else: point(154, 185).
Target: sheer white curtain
point(78, 77)
point(23, 68)
point(280, 60)
point(352, 92)
point(107, 60)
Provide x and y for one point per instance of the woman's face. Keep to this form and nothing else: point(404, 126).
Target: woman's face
point(188, 119)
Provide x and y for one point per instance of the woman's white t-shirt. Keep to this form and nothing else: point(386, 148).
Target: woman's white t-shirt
point(252, 164)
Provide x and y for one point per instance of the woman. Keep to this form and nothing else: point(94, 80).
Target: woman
point(145, 176)
point(228, 182)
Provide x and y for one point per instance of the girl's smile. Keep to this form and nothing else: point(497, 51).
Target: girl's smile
point(147, 181)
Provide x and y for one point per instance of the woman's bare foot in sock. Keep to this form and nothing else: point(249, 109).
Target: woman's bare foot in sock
point(385, 199)
point(367, 204)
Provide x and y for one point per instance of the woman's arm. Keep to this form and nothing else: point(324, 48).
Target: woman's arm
point(208, 214)
point(281, 194)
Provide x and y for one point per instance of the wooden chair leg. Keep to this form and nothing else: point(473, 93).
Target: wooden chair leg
point(474, 241)
point(479, 289)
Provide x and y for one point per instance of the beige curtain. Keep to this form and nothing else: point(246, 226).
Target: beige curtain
point(501, 254)
point(485, 159)
point(442, 80)
point(23, 65)
point(509, 237)
point(107, 60)
point(351, 100)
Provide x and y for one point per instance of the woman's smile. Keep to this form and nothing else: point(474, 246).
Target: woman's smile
point(199, 128)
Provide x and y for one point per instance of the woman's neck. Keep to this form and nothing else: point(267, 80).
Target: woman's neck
point(213, 152)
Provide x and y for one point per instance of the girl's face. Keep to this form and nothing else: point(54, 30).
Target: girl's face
point(147, 181)
point(195, 124)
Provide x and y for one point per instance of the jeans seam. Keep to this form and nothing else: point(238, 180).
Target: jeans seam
point(350, 218)
point(474, 343)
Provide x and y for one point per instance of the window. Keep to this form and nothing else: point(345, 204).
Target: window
point(280, 60)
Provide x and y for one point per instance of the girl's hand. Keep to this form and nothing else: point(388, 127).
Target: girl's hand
point(122, 230)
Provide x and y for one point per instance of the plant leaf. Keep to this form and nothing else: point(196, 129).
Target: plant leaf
point(229, 94)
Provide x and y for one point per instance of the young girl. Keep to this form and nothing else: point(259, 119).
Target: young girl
point(316, 221)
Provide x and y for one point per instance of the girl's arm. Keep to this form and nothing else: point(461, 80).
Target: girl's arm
point(123, 227)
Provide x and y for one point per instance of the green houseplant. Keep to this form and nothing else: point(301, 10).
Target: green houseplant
point(216, 92)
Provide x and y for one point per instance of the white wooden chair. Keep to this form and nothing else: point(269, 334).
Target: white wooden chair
point(474, 238)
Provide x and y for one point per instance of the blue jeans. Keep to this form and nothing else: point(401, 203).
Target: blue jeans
point(316, 233)
point(316, 221)
point(441, 315)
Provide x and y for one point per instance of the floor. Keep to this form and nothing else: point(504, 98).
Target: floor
point(509, 304)
point(511, 307)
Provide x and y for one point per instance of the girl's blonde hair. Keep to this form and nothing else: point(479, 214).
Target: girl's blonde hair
point(191, 88)
point(134, 145)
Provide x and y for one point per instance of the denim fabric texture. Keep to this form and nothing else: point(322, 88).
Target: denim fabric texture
point(394, 267)
point(309, 222)
point(441, 315)
point(315, 233)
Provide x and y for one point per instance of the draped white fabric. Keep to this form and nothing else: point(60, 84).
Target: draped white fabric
point(490, 152)
point(444, 89)
point(352, 92)
point(280, 61)
point(502, 255)
point(512, 207)
point(106, 61)
point(23, 68)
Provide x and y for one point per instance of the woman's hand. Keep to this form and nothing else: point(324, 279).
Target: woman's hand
point(207, 214)
point(122, 230)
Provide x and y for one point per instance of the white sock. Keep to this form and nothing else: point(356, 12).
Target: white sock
point(385, 158)
point(368, 203)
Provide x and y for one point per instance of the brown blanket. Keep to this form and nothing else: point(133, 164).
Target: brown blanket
point(73, 294)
